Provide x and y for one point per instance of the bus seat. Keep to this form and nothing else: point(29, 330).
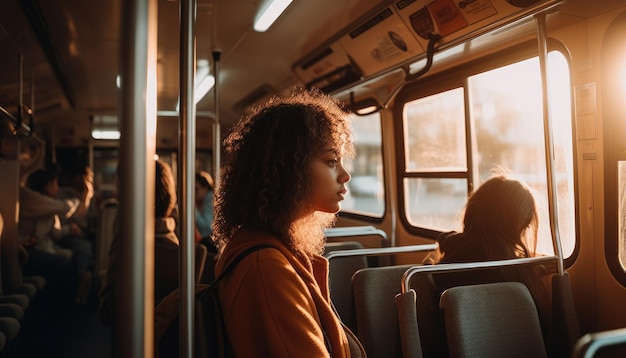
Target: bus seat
point(166, 268)
point(565, 325)
point(341, 270)
point(492, 320)
point(591, 343)
point(410, 342)
point(368, 236)
point(430, 281)
point(104, 236)
point(15, 304)
point(375, 289)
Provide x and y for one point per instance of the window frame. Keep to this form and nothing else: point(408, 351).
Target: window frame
point(456, 77)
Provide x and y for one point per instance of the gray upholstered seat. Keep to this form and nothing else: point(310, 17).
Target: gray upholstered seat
point(492, 320)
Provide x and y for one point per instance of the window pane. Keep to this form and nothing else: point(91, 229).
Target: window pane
point(434, 133)
point(506, 110)
point(435, 203)
point(366, 192)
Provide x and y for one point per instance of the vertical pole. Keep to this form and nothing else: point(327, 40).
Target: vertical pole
point(548, 138)
point(134, 293)
point(187, 160)
point(217, 136)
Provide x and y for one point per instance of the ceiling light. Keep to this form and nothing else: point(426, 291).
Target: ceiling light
point(269, 14)
point(203, 81)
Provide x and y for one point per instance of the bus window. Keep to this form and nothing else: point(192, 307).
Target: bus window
point(434, 132)
point(505, 122)
point(366, 192)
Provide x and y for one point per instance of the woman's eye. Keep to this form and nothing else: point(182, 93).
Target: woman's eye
point(333, 162)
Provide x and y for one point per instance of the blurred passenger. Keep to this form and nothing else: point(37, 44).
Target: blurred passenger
point(79, 185)
point(39, 227)
point(80, 239)
point(204, 209)
point(39, 222)
point(166, 246)
point(283, 181)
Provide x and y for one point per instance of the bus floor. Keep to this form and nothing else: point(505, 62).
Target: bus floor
point(61, 329)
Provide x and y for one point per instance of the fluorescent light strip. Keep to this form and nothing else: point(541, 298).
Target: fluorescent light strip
point(270, 14)
point(105, 134)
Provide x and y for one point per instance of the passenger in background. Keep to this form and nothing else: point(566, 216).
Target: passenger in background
point(500, 223)
point(166, 246)
point(39, 226)
point(165, 240)
point(80, 240)
point(204, 209)
point(44, 230)
point(282, 184)
point(79, 184)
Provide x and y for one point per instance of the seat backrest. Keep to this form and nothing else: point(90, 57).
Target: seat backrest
point(430, 281)
point(492, 320)
point(104, 236)
point(591, 343)
point(341, 270)
point(166, 268)
point(368, 236)
point(374, 292)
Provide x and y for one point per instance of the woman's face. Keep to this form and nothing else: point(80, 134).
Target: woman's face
point(328, 178)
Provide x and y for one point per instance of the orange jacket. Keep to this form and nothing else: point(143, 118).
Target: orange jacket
point(276, 304)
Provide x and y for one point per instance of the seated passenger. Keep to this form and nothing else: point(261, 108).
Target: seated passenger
point(79, 185)
point(166, 246)
point(39, 227)
point(39, 222)
point(500, 223)
point(204, 209)
point(165, 240)
point(81, 237)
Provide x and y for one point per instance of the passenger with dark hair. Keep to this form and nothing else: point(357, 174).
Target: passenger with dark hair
point(165, 240)
point(80, 239)
point(204, 208)
point(80, 185)
point(500, 223)
point(39, 223)
point(39, 228)
point(282, 184)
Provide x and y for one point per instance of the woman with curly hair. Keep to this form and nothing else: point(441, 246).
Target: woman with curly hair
point(281, 186)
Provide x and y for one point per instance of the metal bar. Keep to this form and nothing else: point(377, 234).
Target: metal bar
point(548, 139)
point(590, 343)
point(439, 268)
point(134, 293)
point(354, 231)
point(187, 159)
point(381, 251)
point(217, 132)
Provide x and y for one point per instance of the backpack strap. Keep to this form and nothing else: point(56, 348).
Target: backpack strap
point(232, 265)
point(166, 312)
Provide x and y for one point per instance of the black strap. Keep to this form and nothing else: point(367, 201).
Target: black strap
point(232, 265)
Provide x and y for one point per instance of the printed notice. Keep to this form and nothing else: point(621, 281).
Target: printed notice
point(586, 111)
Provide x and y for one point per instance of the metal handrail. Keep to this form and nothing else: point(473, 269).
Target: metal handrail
point(380, 251)
point(590, 343)
point(354, 231)
point(469, 266)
